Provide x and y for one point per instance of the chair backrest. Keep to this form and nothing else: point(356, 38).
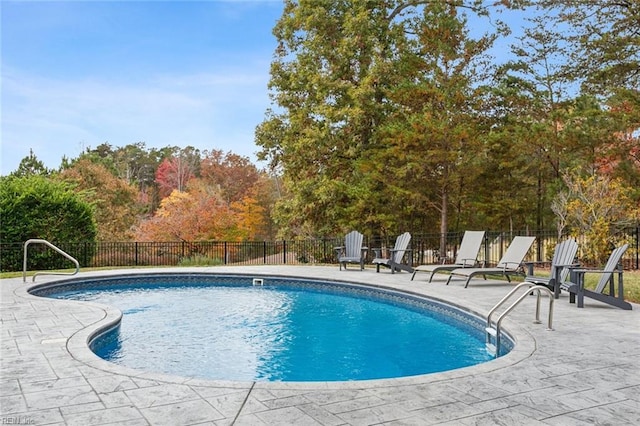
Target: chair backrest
point(564, 254)
point(516, 252)
point(402, 242)
point(610, 267)
point(353, 244)
point(469, 248)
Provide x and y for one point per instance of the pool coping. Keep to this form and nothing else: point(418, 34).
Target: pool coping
point(478, 391)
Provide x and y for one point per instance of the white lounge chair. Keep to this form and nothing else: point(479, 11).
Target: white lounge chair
point(563, 259)
point(353, 251)
point(467, 256)
point(510, 264)
point(575, 286)
point(394, 261)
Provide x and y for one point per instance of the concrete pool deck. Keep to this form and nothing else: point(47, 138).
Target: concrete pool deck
point(585, 372)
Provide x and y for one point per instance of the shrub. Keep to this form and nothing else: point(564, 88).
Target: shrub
point(37, 207)
point(199, 260)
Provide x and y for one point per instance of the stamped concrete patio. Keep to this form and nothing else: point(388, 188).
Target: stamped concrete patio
point(585, 372)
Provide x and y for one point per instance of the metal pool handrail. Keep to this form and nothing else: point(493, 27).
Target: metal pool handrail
point(494, 331)
point(47, 243)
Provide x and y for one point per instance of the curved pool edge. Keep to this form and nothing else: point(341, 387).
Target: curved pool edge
point(108, 317)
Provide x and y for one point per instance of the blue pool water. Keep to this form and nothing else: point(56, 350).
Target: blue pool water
point(286, 330)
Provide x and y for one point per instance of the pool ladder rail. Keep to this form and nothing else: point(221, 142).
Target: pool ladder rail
point(493, 328)
point(48, 244)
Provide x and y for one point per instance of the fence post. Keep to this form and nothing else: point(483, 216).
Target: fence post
point(638, 246)
point(284, 251)
point(486, 249)
point(264, 252)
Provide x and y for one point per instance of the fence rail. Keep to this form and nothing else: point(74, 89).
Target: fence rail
point(424, 250)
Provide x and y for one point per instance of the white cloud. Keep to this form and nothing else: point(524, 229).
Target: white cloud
point(59, 117)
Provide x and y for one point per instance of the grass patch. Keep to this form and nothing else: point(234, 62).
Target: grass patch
point(200, 260)
point(630, 279)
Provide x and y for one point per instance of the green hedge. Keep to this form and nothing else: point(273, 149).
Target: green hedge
point(38, 207)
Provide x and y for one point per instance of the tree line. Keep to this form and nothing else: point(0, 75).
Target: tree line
point(139, 194)
point(387, 116)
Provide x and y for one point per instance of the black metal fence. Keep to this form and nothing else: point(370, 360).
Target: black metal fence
point(424, 249)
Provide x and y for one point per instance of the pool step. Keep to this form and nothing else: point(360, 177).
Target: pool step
point(491, 347)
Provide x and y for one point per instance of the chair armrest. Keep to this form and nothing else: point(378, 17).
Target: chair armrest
point(470, 264)
point(535, 262)
point(557, 271)
point(584, 271)
point(407, 251)
point(531, 263)
point(577, 274)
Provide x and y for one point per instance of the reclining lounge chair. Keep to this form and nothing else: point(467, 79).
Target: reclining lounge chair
point(510, 264)
point(467, 256)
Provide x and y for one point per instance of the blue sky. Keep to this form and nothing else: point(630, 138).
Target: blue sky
point(79, 73)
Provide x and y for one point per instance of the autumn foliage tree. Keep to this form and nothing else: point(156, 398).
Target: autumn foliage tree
point(188, 216)
point(115, 200)
point(200, 213)
point(432, 137)
point(593, 206)
point(234, 175)
point(327, 80)
point(374, 102)
point(173, 174)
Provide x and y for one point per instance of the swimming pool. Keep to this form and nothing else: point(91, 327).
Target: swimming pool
point(286, 329)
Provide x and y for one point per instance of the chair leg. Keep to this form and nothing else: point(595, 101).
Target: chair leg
point(580, 292)
point(580, 299)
